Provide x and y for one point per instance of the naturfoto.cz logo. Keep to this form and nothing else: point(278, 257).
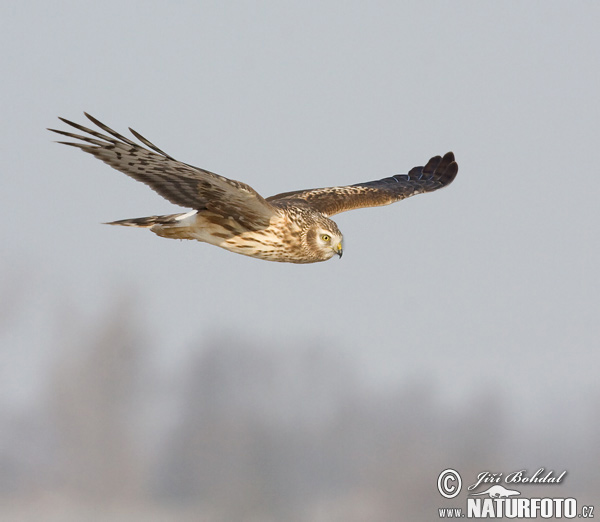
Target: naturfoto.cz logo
point(488, 498)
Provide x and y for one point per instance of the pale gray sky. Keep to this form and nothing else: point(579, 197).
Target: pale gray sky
point(493, 281)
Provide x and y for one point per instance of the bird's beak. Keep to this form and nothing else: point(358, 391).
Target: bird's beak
point(338, 250)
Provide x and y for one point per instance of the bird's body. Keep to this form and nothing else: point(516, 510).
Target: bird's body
point(291, 227)
point(280, 241)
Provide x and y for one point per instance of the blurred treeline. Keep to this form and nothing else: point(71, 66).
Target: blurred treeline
point(276, 431)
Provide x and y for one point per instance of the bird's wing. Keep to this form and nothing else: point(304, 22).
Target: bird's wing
point(439, 172)
point(174, 180)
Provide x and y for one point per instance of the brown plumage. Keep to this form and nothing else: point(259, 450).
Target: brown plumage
point(289, 227)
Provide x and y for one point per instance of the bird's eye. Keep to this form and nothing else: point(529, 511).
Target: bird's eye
point(325, 237)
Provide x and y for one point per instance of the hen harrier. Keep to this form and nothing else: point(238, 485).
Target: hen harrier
point(292, 227)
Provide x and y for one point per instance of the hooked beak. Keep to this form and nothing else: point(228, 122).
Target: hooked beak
point(338, 250)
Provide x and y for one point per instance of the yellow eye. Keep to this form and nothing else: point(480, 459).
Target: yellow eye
point(325, 237)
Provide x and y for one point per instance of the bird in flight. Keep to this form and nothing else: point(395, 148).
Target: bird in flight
point(292, 227)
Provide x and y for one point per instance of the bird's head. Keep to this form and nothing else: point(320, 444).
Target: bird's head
point(325, 239)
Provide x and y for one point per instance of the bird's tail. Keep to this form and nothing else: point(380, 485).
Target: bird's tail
point(148, 222)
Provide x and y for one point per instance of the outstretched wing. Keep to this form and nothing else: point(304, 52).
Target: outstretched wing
point(175, 181)
point(438, 173)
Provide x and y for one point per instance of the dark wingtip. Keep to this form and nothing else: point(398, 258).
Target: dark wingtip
point(450, 173)
point(449, 156)
point(446, 169)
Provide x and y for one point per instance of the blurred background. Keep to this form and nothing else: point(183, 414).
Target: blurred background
point(149, 379)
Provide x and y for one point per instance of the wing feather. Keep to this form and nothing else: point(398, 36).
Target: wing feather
point(178, 182)
point(439, 172)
